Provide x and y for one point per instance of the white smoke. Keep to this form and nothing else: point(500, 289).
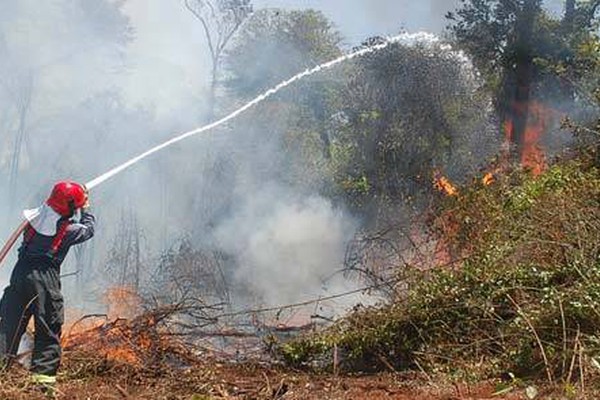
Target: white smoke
point(287, 248)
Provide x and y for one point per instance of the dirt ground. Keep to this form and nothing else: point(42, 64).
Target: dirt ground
point(246, 382)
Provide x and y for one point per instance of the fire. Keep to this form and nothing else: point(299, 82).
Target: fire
point(540, 118)
point(488, 179)
point(444, 185)
point(533, 156)
point(508, 127)
point(119, 335)
point(121, 340)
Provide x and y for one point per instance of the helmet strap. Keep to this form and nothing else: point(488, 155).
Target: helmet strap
point(72, 208)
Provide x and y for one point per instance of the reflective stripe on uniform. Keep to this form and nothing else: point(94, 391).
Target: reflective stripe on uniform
point(43, 379)
point(60, 236)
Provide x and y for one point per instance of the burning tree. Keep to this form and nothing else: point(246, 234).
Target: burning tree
point(529, 60)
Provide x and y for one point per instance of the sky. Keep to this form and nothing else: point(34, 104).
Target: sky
point(358, 19)
point(170, 42)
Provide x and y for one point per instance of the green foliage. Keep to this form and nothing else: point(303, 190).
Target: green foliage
point(525, 299)
point(503, 36)
point(587, 62)
point(406, 111)
point(524, 196)
point(371, 132)
point(276, 44)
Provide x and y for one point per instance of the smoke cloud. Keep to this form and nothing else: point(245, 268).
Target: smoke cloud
point(288, 248)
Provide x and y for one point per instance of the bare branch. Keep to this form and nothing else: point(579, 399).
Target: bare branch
point(207, 33)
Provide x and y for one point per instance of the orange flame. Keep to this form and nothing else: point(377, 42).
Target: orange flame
point(508, 127)
point(539, 119)
point(444, 185)
point(533, 156)
point(488, 179)
point(114, 340)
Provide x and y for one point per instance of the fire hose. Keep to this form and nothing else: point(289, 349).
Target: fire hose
point(11, 240)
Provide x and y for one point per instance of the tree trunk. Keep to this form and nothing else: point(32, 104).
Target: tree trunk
point(523, 75)
point(212, 95)
point(137, 254)
point(15, 164)
point(23, 104)
point(569, 15)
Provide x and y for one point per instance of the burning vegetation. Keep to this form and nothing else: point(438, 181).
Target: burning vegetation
point(522, 300)
point(540, 119)
point(516, 303)
point(444, 185)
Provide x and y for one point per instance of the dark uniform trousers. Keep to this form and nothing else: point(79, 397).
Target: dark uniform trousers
point(34, 290)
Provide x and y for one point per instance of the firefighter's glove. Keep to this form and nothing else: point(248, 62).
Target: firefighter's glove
point(86, 205)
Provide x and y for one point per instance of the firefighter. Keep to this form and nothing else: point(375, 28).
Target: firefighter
point(35, 288)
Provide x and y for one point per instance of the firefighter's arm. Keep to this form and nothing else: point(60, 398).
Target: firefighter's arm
point(83, 230)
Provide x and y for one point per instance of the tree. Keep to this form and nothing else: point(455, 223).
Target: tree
point(526, 55)
point(273, 46)
point(523, 71)
point(220, 20)
point(277, 44)
point(125, 256)
point(408, 111)
point(579, 14)
point(185, 273)
point(499, 35)
point(20, 91)
point(368, 133)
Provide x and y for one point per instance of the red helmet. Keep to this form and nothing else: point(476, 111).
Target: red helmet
point(66, 197)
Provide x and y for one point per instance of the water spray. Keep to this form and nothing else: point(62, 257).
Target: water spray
point(328, 65)
point(405, 37)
